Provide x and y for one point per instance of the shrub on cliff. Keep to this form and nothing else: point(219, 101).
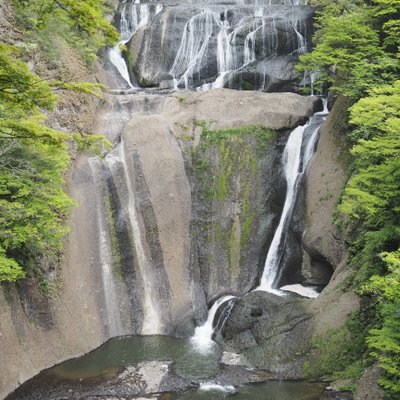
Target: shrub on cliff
point(357, 53)
point(33, 156)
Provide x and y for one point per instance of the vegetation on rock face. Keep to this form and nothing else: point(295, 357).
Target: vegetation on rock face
point(356, 46)
point(357, 53)
point(225, 165)
point(33, 156)
point(80, 23)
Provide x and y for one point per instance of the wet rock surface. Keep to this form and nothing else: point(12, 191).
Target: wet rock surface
point(247, 45)
point(272, 332)
point(336, 395)
point(151, 378)
point(143, 379)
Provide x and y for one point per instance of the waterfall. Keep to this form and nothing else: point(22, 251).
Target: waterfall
point(151, 324)
point(113, 320)
point(211, 37)
point(202, 338)
point(115, 56)
point(301, 40)
point(214, 39)
point(295, 162)
point(195, 40)
point(134, 15)
point(291, 161)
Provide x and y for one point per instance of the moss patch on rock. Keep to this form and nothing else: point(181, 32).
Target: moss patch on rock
point(226, 165)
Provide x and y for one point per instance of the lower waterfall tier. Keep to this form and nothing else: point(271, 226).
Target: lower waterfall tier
point(186, 202)
point(192, 141)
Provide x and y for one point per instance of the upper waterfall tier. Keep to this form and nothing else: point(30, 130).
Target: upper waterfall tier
point(242, 44)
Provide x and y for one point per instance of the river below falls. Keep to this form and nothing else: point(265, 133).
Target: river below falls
point(158, 367)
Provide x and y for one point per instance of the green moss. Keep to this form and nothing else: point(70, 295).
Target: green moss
point(222, 188)
point(245, 85)
point(246, 231)
point(201, 165)
point(263, 135)
point(130, 58)
point(220, 235)
point(231, 176)
point(234, 248)
point(338, 352)
point(253, 165)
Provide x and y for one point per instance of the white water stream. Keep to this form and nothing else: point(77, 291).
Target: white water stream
point(109, 286)
point(298, 152)
point(201, 29)
point(151, 324)
point(291, 162)
point(202, 338)
point(295, 164)
point(231, 57)
point(134, 15)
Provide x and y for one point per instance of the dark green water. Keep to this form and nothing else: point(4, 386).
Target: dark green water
point(263, 391)
point(131, 350)
point(94, 374)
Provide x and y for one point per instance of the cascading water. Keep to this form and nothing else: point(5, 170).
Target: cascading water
point(134, 15)
point(202, 338)
point(237, 43)
point(114, 325)
point(298, 152)
point(114, 170)
point(234, 40)
point(151, 324)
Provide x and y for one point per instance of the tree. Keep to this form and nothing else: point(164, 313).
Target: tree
point(385, 341)
point(87, 16)
point(24, 96)
point(349, 51)
point(33, 156)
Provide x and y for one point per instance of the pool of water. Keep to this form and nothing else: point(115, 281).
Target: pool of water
point(131, 350)
point(112, 372)
point(273, 390)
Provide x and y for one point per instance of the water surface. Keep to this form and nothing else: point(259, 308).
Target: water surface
point(192, 376)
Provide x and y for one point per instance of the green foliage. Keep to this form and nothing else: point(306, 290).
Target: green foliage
point(351, 46)
point(24, 96)
point(357, 52)
point(87, 17)
point(33, 205)
point(371, 203)
point(10, 270)
point(371, 199)
point(33, 156)
point(385, 341)
point(340, 353)
point(49, 24)
point(263, 135)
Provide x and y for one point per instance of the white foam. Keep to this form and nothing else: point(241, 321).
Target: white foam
point(213, 386)
point(202, 338)
point(301, 290)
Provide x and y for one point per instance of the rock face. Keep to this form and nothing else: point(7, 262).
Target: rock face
point(39, 330)
point(177, 214)
point(324, 250)
point(277, 333)
point(137, 259)
point(159, 251)
point(41, 327)
point(270, 331)
point(246, 45)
